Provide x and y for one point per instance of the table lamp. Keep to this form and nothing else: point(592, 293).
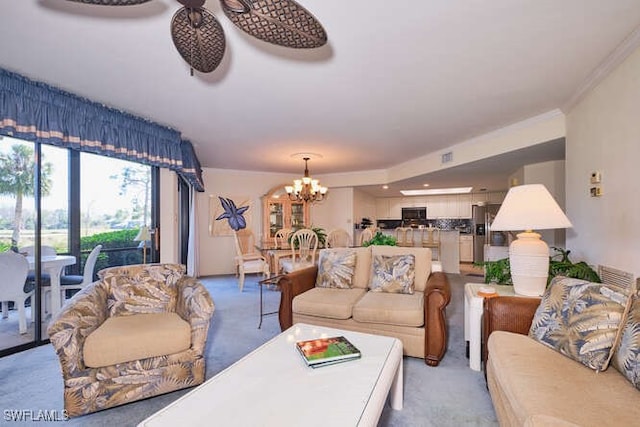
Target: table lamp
point(143, 236)
point(529, 207)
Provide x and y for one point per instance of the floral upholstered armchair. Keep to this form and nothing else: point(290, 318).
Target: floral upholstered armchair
point(138, 332)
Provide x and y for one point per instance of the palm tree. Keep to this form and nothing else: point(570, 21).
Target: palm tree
point(17, 178)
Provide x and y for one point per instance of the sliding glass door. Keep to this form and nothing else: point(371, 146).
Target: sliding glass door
point(56, 206)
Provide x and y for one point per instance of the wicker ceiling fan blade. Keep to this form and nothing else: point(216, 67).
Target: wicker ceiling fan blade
point(198, 37)
point(281, 22)
point(112, 2)
point(192, 3)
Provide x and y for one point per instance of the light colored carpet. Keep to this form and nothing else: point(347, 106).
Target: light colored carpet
point(448, 395)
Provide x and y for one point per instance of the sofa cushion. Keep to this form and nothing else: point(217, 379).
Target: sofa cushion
point(327, 302)
point(142, 288)
point(392, 274)
point(335, 269)
point(422, 261)
point(363, 267)
point(580, 319)
point(135, 337)
point(626, 359)
point(390, 309)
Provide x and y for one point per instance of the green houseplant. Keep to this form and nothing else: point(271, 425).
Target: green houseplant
point(559, 265)
point(381, 239)
point(320, 233)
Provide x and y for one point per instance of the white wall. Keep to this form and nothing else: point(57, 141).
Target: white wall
point(216, 253)
point(551, 175)
point(336, 211)
point(364, 206)
point(169, 249)
point(603, 134)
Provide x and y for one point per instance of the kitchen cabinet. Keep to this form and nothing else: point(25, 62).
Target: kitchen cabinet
point(395, 207)
point(436, 207)
point(449, 206)
point(280, 212)
point(382, 208)
point(464, 206)
point(466, 248)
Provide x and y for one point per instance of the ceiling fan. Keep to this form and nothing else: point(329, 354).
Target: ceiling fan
point(200, 40)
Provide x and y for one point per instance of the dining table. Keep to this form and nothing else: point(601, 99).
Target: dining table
point(273, 255)
point(53, 265)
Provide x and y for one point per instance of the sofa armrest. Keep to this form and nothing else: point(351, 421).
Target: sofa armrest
point(437, 295)
point(196, 307)
point(70, 327)
point(506, 313)
point(293, 284)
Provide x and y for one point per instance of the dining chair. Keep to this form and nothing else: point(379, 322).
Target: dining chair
point(304, 244)
point(338, 238)
point(366, 235)
point(247, 244)
point(75, 282)
point(14, 269)
point(246, 263)
point(431, 239)
point(281, 238)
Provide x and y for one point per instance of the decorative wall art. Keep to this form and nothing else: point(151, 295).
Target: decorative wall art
point(233, 209)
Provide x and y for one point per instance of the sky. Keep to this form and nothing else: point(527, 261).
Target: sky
point(99, 193)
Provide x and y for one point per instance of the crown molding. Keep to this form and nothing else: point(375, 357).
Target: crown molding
point(611, 62)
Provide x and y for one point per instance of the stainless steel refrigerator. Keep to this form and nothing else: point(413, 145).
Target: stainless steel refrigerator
point(483, 216)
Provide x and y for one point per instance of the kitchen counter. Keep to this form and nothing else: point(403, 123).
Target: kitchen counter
point(449, 248)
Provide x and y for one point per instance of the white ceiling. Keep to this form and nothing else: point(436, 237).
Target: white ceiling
point(396, 80)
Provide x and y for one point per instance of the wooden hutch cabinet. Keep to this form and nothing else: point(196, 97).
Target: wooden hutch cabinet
point(280, 212)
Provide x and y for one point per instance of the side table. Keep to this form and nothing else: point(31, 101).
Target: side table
point(269, 281)
point(473, 318)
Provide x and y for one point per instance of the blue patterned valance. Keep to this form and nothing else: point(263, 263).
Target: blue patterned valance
point(37, 112)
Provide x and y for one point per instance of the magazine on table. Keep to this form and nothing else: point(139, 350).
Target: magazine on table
point(327, 351)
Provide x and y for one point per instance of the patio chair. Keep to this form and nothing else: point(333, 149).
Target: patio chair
point(75, 282)
point(14, 269)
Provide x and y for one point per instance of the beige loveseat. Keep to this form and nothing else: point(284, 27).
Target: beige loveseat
point(534, 385)
point(418, 320)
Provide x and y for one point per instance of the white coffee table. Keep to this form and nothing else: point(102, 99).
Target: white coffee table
point(272, 386)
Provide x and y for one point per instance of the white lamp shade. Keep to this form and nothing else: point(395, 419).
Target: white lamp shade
point(143, 234)
point(529, 207)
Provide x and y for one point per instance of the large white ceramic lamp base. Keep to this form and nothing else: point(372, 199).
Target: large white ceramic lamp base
point(529, 262)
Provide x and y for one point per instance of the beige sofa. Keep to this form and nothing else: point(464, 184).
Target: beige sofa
point(533, 385)
point(418, 320)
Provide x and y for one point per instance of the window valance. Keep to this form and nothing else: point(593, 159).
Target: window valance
point(37, 112)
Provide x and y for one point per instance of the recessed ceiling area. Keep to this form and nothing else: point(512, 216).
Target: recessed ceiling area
point(490, 174)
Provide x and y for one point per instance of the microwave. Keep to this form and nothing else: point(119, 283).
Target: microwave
point(409, 214)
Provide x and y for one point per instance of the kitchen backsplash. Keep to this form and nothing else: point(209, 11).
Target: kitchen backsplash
point(463, 225)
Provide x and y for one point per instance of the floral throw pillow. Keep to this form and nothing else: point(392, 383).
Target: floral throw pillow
point(581, 320)
point(335, 269)
point(627, 357)
point(393, 274)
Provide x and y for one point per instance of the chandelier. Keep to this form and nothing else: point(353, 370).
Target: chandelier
point(306, 189)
